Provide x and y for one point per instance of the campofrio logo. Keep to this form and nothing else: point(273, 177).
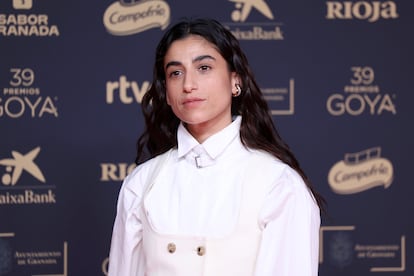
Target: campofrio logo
point(124, 18)
point(361, 171)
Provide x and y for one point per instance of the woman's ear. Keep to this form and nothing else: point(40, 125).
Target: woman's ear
point(235, 79)
point(236, 89)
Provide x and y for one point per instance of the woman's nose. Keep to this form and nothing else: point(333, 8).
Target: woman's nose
point(190, 83)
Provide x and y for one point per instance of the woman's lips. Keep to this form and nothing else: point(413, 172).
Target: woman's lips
point(192, 101)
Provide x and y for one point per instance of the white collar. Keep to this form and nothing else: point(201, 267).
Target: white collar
point(213, 146)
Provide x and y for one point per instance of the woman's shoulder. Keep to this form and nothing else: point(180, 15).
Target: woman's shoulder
point(276, 170)
point(266, 160)
point(137, 180)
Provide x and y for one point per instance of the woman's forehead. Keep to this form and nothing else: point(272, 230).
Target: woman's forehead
point(189, 46)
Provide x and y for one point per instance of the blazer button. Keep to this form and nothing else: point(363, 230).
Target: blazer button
point(201, 250)
point(171, 247)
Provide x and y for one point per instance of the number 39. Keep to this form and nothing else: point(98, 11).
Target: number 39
point(362, 75)
point(23, 77)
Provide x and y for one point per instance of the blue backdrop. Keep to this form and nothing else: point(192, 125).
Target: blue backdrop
point(337, 76)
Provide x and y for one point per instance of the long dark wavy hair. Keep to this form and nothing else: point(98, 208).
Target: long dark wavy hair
point(257, 129)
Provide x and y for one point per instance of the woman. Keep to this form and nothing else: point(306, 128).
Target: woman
point(221, 193)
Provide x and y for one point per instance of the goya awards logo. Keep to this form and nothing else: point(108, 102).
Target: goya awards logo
point(125, 91)
point(13, 192)
point(26, 24)
point(131, 17)
point(361, 171)
point(362, 95)
point(22, 98)
point(370, 11)
point(244, 29)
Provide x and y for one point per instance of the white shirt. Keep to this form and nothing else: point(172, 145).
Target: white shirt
point(202, 198)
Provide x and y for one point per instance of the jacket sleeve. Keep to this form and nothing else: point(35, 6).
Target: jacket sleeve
point(290, 220)
point(126, 256)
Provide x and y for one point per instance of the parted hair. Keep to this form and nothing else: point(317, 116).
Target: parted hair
point(257, 129)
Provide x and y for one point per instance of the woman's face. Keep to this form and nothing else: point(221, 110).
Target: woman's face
point(199, 86)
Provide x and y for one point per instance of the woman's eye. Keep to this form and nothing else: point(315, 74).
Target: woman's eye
point(174, 73)
point(204, 68)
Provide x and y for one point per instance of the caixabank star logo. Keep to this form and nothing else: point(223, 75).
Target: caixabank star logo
point(20, 163)
point(255, 20)
point(14, 191)
point(242, 26)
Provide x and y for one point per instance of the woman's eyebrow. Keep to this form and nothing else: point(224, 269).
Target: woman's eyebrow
point(202, 57)
point(172, 63)
point(197, 59)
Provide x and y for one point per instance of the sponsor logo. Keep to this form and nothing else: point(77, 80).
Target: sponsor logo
point(337, 244)
point(115, 172)
point(21, 98)
point(361, 171)
point(243, 29)
point(20, 163)
point(122, 18)
point(281, 100)
point(243, 8)
point(370, 11)
point(125, 91)
point(22, 24)
point(38, 261)
point(22, 4)
point(13, 194)
point(362, 95)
